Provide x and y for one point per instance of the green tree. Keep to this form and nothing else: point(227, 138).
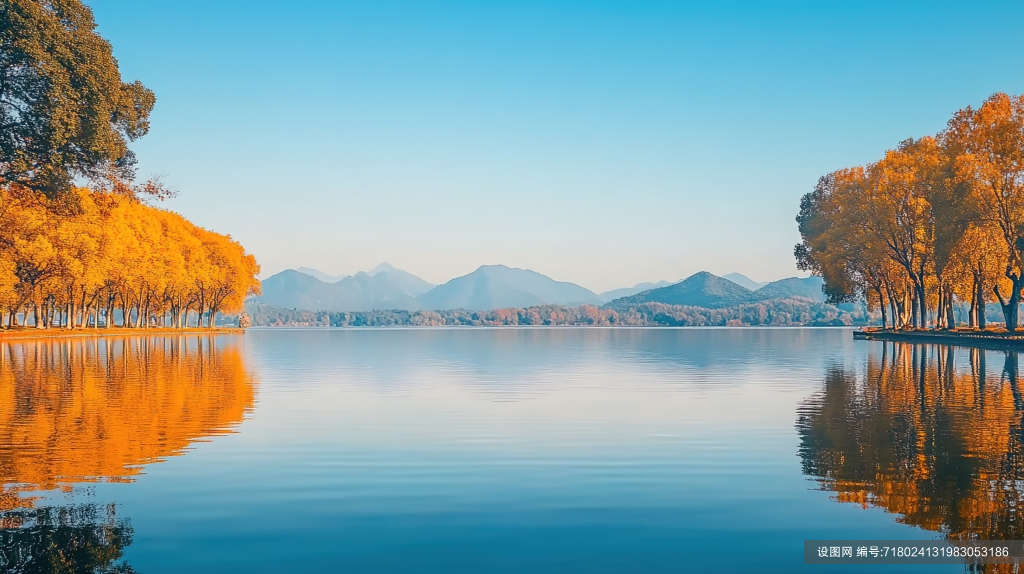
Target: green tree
point(64, 110)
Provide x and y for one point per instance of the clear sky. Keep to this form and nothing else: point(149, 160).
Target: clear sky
point(604, 143)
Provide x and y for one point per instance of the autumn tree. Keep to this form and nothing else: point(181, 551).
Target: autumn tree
point(856, 258)
point(991, 145)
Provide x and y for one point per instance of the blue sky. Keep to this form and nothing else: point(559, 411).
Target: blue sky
point(604, 143)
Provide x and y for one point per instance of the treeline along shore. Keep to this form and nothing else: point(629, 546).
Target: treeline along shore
point(781, 312)
point(111, 261)
point(935, 225)
point(55, 333)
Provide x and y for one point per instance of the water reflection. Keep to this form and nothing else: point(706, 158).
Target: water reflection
point(72, 538)
point(98, 409)
point(930, 433)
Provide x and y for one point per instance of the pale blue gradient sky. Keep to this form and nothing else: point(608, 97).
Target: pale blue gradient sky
point(604, 143)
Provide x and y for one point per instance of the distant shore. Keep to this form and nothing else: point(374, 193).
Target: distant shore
point(1000, 340)
point(23, 333)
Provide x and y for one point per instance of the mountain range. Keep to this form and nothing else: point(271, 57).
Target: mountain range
point(405, 281)
point(497, 286)
point(359, 292)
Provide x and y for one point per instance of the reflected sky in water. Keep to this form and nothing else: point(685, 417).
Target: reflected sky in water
point(500, 449)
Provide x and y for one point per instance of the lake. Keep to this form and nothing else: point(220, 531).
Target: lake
point(508, 449)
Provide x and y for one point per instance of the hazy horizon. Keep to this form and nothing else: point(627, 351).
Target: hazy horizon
point(604, 144)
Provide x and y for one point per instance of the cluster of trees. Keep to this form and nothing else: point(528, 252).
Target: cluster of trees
point(775, 312)
point(73, 256)
point(100, 259)
point(778, 312)
point(936, 222)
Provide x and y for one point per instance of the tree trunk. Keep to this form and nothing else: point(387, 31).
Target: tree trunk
point(950, 317)
point(125, 309)
point(892, 309)
point(84, 310)
point(1010, 306)
point(915, 313)
point(975, 295)
point(980, 296)
point(37, 303)
point(922, 303)
point(900, 306)
point(881, 305)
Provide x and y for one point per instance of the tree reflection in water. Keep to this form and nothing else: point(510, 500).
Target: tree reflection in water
point(929, 433)
point(75, 538)
point(98, 409)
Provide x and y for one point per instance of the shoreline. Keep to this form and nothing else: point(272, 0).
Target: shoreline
point(28, 333)
point(993, 340)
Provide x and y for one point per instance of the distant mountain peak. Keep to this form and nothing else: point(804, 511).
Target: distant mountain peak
point(744, 281)
point(807, 287)
point(382, 268)
point(702, 289)
point(627, 291)
point(499, 268)
point(325, 277)
point(500, 286)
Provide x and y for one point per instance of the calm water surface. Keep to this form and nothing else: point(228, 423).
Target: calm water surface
point(496, 449)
